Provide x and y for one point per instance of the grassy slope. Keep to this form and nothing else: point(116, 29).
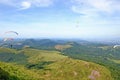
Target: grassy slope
point(7, 50)
point(20, 72)
point(63, 68)
point(69, 69)
point(35, 56)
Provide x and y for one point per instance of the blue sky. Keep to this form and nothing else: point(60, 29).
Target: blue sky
point(61, 18)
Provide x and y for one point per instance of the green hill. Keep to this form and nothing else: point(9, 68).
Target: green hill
point(67, 69)
point(35, 56)
point(34, 64)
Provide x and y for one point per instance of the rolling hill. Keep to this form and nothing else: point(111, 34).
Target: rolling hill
point(34, 64)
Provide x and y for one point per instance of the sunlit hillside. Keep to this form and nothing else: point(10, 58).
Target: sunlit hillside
point(48, 65)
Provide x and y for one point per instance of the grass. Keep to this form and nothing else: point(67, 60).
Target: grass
point(51, 65)
point(36, 56)
point(69, 69)
point(7, 50)
point(20, 72)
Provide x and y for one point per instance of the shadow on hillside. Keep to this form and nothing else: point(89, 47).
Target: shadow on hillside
point(40, 65)
point(6, 76)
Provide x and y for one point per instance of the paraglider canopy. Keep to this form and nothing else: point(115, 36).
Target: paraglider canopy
point(11, 32)
point(10, 35)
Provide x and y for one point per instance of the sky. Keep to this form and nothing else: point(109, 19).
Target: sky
point(61, 18)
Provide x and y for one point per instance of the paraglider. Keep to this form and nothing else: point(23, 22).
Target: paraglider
point(115, 46)
point(9, 36)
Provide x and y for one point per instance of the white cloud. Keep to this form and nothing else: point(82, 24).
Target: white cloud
point(97, 12)
point(95, 6)
point(102, 5)
point(82, 10)
point(25, 4)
